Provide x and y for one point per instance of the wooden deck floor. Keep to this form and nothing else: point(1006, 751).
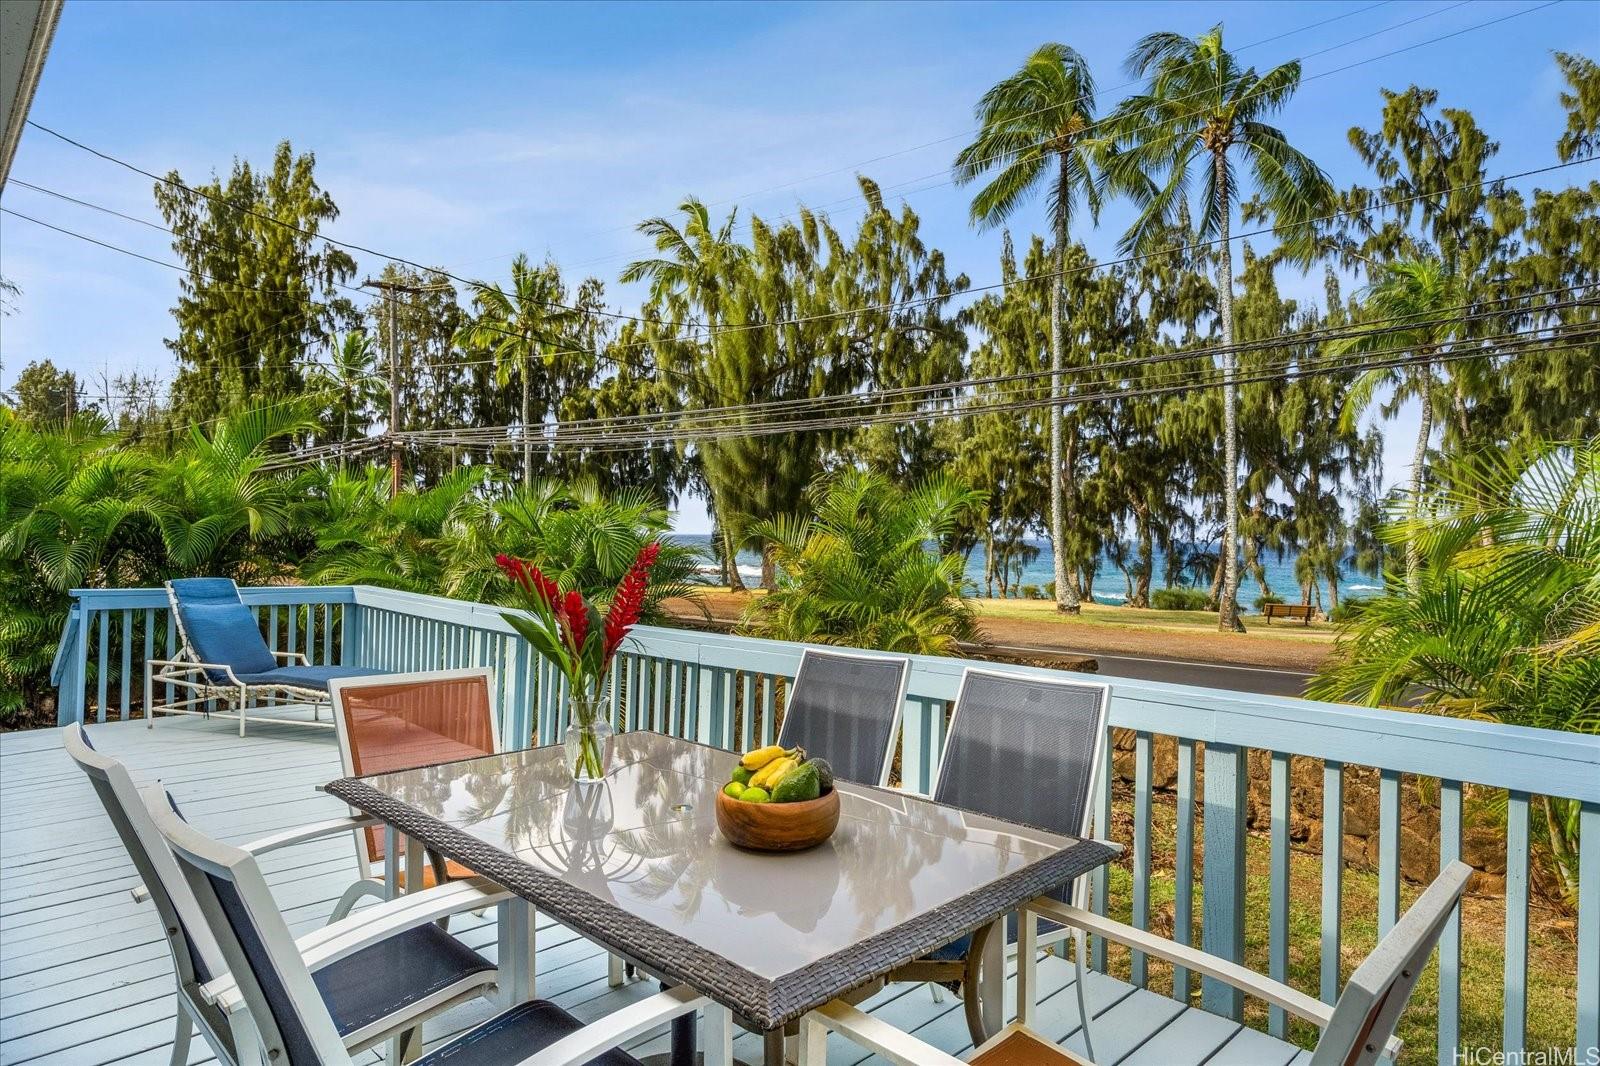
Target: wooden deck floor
point(85, 977)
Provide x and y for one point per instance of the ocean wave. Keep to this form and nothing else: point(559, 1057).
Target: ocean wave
point(1364, 588)
point(1117, 596)
point(745, 571)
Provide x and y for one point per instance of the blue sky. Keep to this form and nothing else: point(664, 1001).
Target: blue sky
point(460, 134)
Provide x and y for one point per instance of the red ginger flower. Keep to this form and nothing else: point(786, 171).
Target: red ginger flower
point(577, 619)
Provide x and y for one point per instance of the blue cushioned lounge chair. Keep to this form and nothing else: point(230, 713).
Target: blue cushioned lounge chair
point(224, 656)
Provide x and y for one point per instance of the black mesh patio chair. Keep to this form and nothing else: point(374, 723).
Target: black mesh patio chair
point(293, 1006)
point(1027, 749)
point(845, 707)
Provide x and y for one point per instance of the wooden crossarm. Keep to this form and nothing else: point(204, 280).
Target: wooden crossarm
point(618, 1027)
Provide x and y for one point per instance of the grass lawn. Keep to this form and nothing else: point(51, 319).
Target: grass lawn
point(1552, 953)
point(1096, 615)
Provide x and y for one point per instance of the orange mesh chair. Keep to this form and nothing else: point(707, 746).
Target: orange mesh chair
point(402, 722)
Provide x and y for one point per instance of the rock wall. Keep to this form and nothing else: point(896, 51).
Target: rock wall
point(1483, 843)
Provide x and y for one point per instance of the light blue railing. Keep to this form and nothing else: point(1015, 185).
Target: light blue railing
point(728, 691)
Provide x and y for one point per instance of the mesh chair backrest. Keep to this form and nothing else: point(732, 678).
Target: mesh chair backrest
point(217, 627)
point(1368, 1010)
point(388, 724)
point(290, 1017)
point(845, 709)
point(1025, 749)
point(185, 929)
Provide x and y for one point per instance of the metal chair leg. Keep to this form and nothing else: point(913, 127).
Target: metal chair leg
point(1083, 1006)
point(180, 1038)
point(352, 896)
point(972, 986)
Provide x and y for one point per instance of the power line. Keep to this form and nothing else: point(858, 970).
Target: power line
point(686, 423)
point(1318, 335)
point(636, 444)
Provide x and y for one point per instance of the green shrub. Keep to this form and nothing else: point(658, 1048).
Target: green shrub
point(1031, 592)
point(1347, 610)
point(1179, 599)
point(1266, 598)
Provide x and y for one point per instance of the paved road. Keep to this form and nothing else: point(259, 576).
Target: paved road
point(1258, 679)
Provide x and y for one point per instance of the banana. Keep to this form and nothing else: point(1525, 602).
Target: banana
point(755, 760)
point(773, 772)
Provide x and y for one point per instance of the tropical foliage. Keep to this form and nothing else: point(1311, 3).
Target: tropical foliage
point(1501, 620)
point(80, 507)
point(859, 570)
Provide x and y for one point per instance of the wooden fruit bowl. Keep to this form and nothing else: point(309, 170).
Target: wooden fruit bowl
point(778, 826)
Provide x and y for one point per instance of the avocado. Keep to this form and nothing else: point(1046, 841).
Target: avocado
point(801, 783)
point(824, 775)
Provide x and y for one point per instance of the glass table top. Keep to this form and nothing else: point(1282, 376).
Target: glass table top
point(646, 841)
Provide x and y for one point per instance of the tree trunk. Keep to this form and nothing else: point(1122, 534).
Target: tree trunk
point(527, 430)
point(988, 562)
point(1419, 459)
point(1139, 593)
point(730, 560)
point(769, 567)
point(1228, 605)
point(1066, 594)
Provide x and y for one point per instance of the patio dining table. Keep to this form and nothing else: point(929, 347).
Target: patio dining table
point(636, 864)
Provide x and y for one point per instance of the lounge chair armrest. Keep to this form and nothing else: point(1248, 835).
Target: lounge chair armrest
point(371, 925)
point(873, 1034)
point(295, 656)
point(194, 667)
point(618, 1027)
point(1230, 973)
point(310, 831)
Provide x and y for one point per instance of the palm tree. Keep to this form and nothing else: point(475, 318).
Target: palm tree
point(1034, 128)
point(1503, 622)
point(860, 572)
point(351, 378)
point(527, 323)
point(697, 265)
point(1423, 300)
point(1200, 107)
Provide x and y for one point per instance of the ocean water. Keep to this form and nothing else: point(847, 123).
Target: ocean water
point(1110, 587)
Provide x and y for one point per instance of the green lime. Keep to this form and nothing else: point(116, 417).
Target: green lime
point(741, 776)
point(734, 789)
point(755, 795)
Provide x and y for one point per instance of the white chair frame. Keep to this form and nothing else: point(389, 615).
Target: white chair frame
point(899, 705)
point(295, 965)
point(216, 1016)
point(981, 945)
point(385, 884)
point(189, 673)
point(1358, 1030)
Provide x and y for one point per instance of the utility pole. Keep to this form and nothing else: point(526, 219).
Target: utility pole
point(389, 288)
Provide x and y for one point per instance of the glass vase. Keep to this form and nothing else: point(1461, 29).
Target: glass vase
point(588, 742)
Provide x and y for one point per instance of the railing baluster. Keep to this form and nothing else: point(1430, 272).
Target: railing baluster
point(1388, 850)
point(294, 629)
point(769, 684)
point(104, 671)
point(149, 653)
point(127, 666)
point(170, 649)
point(1588, 1027)
point(1514, 1036)
point(1332, 875)
point(1138, 967)
point(1183, 866)
point(1222, 918)
point(1100, 880)
point(1278, 888)
point(747, 717)
point(1449, 1041)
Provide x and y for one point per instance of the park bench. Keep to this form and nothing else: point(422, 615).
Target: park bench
point(1301, 611)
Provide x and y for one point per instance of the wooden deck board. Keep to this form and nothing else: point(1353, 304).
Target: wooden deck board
point(84, 973)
